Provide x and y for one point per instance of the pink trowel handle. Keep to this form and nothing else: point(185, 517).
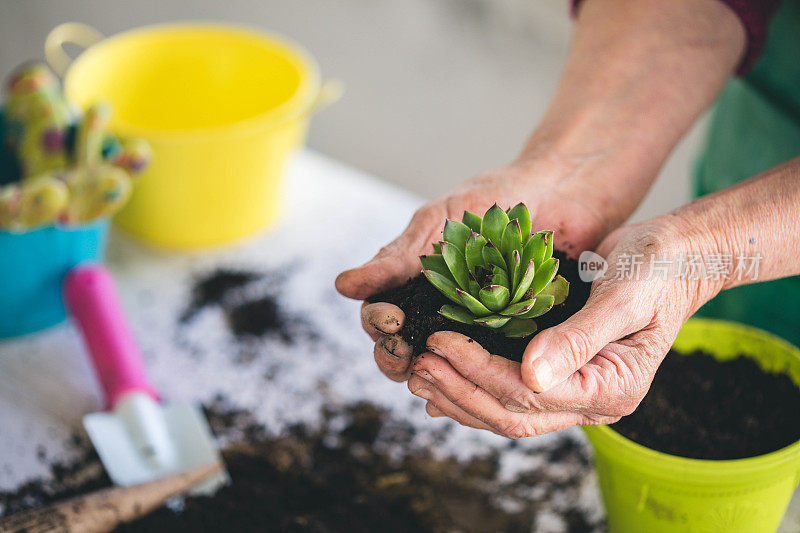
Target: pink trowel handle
point(91, 298)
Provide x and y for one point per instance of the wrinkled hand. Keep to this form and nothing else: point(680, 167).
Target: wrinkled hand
point(544, 185)
point(591, 369)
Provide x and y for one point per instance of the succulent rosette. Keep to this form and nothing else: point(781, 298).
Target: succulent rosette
point(495, 271)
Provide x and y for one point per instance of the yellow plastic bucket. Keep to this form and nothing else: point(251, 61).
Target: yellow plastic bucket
point(644, 490)
point(222, 108)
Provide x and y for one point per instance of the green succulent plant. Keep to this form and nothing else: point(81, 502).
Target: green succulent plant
point(496, 273)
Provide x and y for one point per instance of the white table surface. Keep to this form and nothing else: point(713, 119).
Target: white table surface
point(334, 217)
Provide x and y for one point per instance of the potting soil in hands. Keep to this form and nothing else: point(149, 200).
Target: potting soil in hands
point(701, 408)
point(421, 301)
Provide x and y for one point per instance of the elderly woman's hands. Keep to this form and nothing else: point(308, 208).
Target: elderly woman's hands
point(597, 365)
point(635, 80)
point(591, 369)
point(580, 215)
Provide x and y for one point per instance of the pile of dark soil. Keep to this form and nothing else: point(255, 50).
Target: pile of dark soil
point(248, 315)
point(308, 481)
point(258, 317)
point(702, 408)
point(421, 301)
point(213, 288)
point(346, 475)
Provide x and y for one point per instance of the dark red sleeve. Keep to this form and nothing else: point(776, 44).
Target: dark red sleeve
point(755, 16)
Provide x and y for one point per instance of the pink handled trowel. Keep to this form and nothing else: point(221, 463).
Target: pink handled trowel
point(138, 439)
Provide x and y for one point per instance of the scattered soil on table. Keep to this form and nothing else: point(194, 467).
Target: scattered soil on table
point(702, 408)
point(82, 474)
point(212, 289)
point(421, 301)
point(259, 317)
point(357, 471)
point(325, 481)
point(249, 313)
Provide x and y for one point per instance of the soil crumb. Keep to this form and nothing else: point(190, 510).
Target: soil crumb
point(421, 301)
point(701, 408)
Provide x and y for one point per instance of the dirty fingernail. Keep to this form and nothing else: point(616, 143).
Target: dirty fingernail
point(543, 372)
point(389, 345)
point(423, 393)
point(515, 408)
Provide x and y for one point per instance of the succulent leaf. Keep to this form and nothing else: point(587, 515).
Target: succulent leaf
point(499, 277)
point(542, 304)
point(456, 232)
point(519, 308)
point(445, 286)
point(521, 213)
point(511, 242)
point(457, 264)
point(536, 248)
point(436, 263)
point(474, 252)
point(473, 304)
point(524, 283)
point(493, 224)
point(544, 275)
point(513, 269)
point(493, 321)
point(549, 239)
point(459, 314)
point(493, 256)
point(474, 288)
point(437, 248)
point(558, 289)
point(519, 327)
point(494, 297)
point(472, 221)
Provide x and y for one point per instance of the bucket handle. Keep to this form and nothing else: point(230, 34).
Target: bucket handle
point(83, 35)
point(76, 33)
point(330, 91)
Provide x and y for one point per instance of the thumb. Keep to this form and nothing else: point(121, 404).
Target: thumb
point(394, 264)
point(557, 352)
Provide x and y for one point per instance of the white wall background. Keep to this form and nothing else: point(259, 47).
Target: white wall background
point(437, 90)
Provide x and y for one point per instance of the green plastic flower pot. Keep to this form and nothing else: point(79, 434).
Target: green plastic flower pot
point(648, 491)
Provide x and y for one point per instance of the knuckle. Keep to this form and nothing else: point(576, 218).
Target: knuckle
point(467, 397)
point(595, 420)
point(630, 397)
point(454, 206)
point(577, 345)
point(625, 408)
point(423, 214)
point(385, 251)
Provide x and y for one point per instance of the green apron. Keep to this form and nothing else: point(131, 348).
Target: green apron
point(755, 126)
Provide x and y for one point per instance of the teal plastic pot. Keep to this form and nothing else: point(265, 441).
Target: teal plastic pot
point(32, 267)
point(648, 491)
